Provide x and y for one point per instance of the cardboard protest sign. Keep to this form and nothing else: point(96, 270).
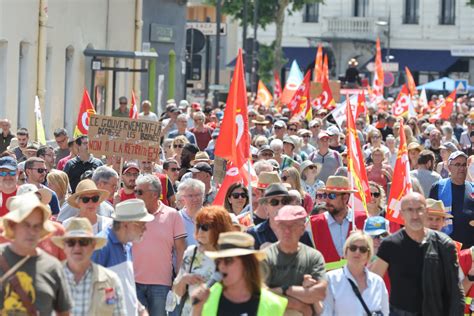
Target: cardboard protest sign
point(124, 137)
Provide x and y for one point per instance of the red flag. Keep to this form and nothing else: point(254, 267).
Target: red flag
point(85, 111)
point(264, 96)
point(277, 87)
point(325, 99)
point(232, 176)
point(411, 82)
point(318, 64)
point(360, 104)
point(133, 114)
point(355, 161)
point(401, 184)
point(300, 100)
point(401, 105)
point(325, 68)
point(377, 85)
point(447, 106)
point(233, 143)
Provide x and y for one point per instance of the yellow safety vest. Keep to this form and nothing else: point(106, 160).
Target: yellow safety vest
point(269, 303)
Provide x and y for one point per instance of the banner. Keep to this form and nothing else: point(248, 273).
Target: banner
point(128, 138)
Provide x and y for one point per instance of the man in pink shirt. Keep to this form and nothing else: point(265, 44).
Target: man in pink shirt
point(152, 257)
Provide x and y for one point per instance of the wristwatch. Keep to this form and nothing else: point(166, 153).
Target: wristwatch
point(470, 277)
point(284, 288)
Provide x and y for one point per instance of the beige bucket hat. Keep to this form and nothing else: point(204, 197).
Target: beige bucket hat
point(79, 227)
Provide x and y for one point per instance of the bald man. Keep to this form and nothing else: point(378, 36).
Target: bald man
point(422, 266)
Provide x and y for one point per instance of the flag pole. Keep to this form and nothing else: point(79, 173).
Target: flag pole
point(249, 180)
point(351, 180)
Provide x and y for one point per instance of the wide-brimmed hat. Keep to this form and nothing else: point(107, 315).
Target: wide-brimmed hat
point(87, 186)
point(44, 195)
point(274, 190)
point(132, 210)
point(353, 62)
point(265, 178)
point(337, 184)
point(21, 207)
point(79, 227)
point(201, 156)
point(235, 244)
point(414, 145)
point(260, 119)
point(436, 208)
point(305, 164)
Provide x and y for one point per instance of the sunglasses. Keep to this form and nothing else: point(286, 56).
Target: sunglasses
point(292, 129)
point(306, 136)
point(315, 126)
point(312, 167)
point(140, 192)
point(178, 146)
point(323, 196)
point(237, 195)
point(375, 194)
point(227, 261)
point(203, 227)
point(284, 178)
point(283, 201)
point(7, 173)
point(381, 236)
point(173, 169)
point(39, 170)
point(87, 199)
point(277, 127)
point(362, 249)
point(83, 242)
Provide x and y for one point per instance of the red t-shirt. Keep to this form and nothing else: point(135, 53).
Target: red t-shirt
point(202, 138)
point(3, 202)
point(124, 196)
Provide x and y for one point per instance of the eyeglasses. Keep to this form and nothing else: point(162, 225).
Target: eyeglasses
point(292, 129)
point(173, 169)
point(39, 170)
point(459, 165)
point(284, 178)
point(131, 174)
point(277, 127)
point(267, 154)
point(140, 192)
point(227, 261)
point(203, 227)
point(330, 196)
point(362, 249)
point(312, 167)
point(237, 195)
point(315, 126)
point(381, 236)
point(376, 137)
point(7, 173)
point(306, 136)
point(178, 146)
point(375, 194)
point(87, 199)
point(283, 201)
point(83, 242)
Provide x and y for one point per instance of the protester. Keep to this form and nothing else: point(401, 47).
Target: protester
point(446, 150)
point(292, 177)
point(171, 169)
point(8, 181)
point(354, 290)
point(203, 133)
point(22, 137)
point(309, 178)
point(87, 280)
point(122, 110)
point(236, 198)
point(419, 292)
point(436, 215)
point(72, 146)
point(107, 179)
point(182, 123)
point(6, 135)
point(378, 199)
point(37, 274)
point(414, 150)
point(202, 171)
point(61, 137)
point(191, 192)
point(329, 159)
point(130, 173)
point(241, 290)
point(146, 113)
point(265, 178)
point(379, 172)
point(47, 154)
point(377, 228)
point(196, 267)
point(424, 171)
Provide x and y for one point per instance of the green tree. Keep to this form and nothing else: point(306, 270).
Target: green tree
point(269, 11)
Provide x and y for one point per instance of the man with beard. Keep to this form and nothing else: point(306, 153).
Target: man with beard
point(435, 143)
point(422, 266)
point(22, 136)
point(130, 173)
point(331, 228)
point(8, 181)
point(129, 225)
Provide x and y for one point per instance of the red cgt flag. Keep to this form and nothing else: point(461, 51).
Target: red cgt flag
point(402, 103)
point(446, 108)
point(318, 65)
point(360, 104)
point(300, 100)
point(133, 114)
point(377, 85)
point(233, 143)
point(326, 99)
point(85, 111)
point(277, 87)
point(411, 82)
point(401, 184)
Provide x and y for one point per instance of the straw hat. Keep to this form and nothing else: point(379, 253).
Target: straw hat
point(79, 227)
point(414, 145)
point(201, 156)
point(337, 184)
point(21, 207)
point(84, 187)
point(235, 244)
point(45, 195)
point(353, 62)
point(132, 210)
point(266, 178)
point(436, 207)
point(260, 119)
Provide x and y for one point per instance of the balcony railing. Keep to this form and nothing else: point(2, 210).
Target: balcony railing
point(361, 28)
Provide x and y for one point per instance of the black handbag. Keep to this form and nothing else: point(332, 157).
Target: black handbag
point(359, 296)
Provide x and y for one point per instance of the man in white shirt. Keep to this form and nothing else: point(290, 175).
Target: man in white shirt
point(147, 114)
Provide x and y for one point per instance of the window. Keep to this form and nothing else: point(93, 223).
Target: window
point(447, 14)
point(361, 8)
point(411, 12)
point(311, 13)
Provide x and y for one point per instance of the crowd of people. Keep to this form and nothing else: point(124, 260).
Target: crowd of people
point(85, 235)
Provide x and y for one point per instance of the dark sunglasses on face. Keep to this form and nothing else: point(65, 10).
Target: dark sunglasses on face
point(375, 194)
point(312, 167)
point(237, 195)
point(362, 249)
point(178, 146)
point(277, 127)
point(292, 129)
point(174, 169)
point(284, 178)
point(381, 236)
point(87, 199)
point(83, 242)
point(323, 196)
point(39, 170)
point(227, 261)
point(7, 173)
point(203, 227)
point(283, 201)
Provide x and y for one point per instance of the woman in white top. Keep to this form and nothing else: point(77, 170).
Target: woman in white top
point(341, 298)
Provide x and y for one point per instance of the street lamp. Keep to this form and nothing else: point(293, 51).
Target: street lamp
point(386, 24)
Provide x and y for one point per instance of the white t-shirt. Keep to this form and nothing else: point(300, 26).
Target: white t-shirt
point(151, 116)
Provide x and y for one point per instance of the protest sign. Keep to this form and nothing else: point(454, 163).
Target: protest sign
point(124, 137)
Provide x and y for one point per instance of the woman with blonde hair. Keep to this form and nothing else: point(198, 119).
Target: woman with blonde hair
point(353, 289)
point(377, 204)
point(178, 145)
point(58, 181)
point(291, 176)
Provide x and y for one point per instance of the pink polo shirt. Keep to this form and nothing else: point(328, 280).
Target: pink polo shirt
point(152, 257)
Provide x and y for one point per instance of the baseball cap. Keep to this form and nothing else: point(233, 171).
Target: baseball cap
point(201, 167)
point(333, 130)
point(129, 166)
point(456, 154)
point(9, 163)
point(323, 134)
point(265, 148)
point(291, 213)
point(375, 225)
point(280, 124)
point(449, 146)
point(173, 109)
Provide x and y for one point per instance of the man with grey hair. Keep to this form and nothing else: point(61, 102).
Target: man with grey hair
point(146, 113)
point(182, 124)
point(191, 195)
point(123, 110)
point(165, 233)
point(6, 135)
